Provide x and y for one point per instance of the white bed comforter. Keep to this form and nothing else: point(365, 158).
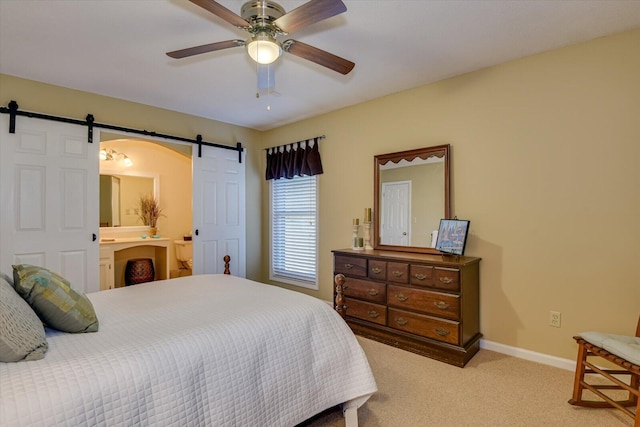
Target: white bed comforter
point(210, 350)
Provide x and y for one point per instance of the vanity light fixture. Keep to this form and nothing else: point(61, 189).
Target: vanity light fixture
point(112, 155)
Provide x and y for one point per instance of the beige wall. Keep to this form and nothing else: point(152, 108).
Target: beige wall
point(545, 164)
point(55, 100)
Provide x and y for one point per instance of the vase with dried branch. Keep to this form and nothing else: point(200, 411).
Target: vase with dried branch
point(149, 212)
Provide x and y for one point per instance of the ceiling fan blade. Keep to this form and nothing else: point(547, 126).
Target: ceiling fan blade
point(211, 47)
point(309, 13)
point(318, 56)
point(222, 12)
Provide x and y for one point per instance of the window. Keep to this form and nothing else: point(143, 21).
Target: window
point(294, 231)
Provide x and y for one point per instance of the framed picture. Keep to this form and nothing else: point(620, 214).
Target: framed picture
point(452, 236)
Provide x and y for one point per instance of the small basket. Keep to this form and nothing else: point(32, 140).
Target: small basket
point(139, 270)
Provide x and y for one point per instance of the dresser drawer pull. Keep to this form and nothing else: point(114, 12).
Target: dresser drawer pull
point(372, 292)
point(446, 280)
point(373, 314)
point(376, 270)
point(441, 305)
point(348, 266)
point(401, 321)
point(442, 332)
point(420, 276)
point(401, 297)
point(397, 273)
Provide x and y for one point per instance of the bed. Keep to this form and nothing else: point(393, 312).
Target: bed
point(206, 350)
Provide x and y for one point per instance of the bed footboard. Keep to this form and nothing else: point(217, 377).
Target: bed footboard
point(226, 259)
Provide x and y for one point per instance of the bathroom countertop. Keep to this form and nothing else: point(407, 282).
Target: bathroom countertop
point(148, 240)
point(119, 244)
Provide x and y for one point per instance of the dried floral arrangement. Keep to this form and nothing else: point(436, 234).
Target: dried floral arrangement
point(150, 210)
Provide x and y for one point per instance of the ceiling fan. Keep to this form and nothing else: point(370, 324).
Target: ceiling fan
point(266, 20)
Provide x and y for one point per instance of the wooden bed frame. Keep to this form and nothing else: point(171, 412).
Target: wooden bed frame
point(227, 259)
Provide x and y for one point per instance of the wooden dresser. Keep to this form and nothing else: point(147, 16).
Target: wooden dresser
point(427, 304)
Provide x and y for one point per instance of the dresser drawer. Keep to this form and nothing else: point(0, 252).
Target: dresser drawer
point(421, 275)
point(370, 312)
point(437, 329)
point(398, 272)
point(365, 289)
point(377, 270)
point(447, 278)
point(434, 303)
point(351, 266)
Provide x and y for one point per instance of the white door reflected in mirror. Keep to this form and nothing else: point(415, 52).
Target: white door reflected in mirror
point(396, 213)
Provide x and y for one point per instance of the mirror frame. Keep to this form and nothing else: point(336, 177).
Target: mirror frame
point(409, 155)
point(139, 174)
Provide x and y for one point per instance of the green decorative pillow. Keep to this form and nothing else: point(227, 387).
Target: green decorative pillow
point(21, 332)
point(53, 299)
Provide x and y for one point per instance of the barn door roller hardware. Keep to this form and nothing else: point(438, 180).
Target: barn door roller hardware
point(13, 111)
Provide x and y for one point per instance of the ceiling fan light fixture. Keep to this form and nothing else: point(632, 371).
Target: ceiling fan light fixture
point(264, 49)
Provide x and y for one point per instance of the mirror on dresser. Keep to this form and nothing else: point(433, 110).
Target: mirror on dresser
point(411, 195)
point(120, 192)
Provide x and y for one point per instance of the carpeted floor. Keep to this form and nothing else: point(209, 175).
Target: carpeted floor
point(492, 390)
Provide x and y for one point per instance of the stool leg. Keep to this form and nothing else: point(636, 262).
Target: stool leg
point(580, 368)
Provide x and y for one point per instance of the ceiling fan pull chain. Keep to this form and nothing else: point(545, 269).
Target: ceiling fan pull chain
point(268, 88)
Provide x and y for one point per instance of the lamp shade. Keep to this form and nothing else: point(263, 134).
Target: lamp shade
point(264, 49)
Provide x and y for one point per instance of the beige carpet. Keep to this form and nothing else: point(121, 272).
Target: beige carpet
point(492, 390)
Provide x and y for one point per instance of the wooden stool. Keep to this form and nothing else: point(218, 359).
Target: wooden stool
point(139, 270)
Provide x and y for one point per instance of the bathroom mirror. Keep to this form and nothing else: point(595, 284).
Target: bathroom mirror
point(120, 193)
point(411, 195)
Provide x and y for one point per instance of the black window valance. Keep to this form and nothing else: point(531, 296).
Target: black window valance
point(297, 159)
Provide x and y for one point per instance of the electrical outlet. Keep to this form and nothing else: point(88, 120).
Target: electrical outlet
point(555, 319)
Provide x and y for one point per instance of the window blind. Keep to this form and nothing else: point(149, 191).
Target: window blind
point(294, 230)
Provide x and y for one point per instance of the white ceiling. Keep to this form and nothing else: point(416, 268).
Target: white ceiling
point(117, 48)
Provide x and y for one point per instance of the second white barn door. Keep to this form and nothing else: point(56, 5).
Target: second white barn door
point(218, 211)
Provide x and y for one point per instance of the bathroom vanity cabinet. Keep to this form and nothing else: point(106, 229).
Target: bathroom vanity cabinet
point(115, 253)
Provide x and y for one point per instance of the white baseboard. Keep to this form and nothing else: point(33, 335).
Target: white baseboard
point(533, 356)
point(545, 359)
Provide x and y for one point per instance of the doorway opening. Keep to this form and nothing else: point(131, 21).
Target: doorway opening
point(158, 168)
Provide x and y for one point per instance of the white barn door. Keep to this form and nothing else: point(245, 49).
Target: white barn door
point(218, 211)
point(49, 197)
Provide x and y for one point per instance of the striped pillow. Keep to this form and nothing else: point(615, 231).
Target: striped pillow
point(54, 300)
